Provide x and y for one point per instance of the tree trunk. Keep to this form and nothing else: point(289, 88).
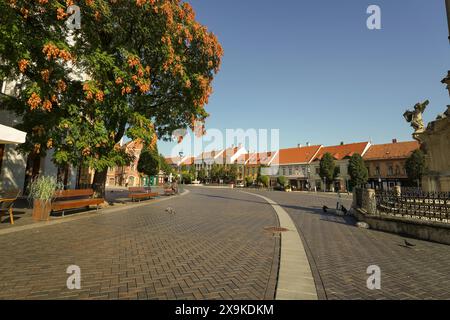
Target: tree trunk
point(99, 182)
point(32, 170)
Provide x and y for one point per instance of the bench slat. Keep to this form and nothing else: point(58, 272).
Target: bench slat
point(73, 193)
point(73, 204)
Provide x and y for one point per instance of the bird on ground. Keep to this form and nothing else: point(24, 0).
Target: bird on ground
point(325, 209)
point(409, 244)
point(170, 210)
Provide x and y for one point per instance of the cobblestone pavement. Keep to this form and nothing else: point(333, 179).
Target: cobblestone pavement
point(340, 253)
point(213, 247)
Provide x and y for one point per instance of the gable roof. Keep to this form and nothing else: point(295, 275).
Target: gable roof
point(297, 155)
point(209, 155)
point(262, 158)
point(343, 151)
point(397, 150)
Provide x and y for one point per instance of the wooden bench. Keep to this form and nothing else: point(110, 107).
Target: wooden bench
point(74, 199)
point(139, 193)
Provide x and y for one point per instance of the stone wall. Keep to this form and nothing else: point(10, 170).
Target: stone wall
point(419, 229)
point(364, 209)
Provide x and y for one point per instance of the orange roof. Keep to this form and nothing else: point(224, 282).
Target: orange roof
point(209, 155)
point(229, 152)
point(189, 161)
point(263, 158)
point(242, 159)
point(398, 150)
point(297, 155)
point(343, 151)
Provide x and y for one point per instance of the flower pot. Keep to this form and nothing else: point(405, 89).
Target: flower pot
point(41, 210)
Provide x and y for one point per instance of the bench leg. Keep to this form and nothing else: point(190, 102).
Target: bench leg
point(11, 216)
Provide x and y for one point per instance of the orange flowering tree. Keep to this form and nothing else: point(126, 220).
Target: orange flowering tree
point(140, 68)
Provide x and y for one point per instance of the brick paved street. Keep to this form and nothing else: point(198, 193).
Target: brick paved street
point(340, 254)
point(214, 247)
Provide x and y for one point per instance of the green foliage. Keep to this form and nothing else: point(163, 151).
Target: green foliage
point(216, 172)
point(164, 166)
point(202, 175)
point(415, 166)
point(327, 167)
point(43, 188)
point(282, 181)
point(187, 177)
point(357, 171)
point(150, 67)
point(249, 181)
point(192, 171)
point(149, 162)
point(265, 181)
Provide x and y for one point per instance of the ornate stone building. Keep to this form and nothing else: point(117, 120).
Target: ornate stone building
point(435, 143)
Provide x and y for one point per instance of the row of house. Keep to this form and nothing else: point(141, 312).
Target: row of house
point(301, 165)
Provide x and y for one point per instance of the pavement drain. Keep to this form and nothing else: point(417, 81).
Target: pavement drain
point(275, 231)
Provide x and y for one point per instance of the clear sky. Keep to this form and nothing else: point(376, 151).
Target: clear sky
point(312, 68)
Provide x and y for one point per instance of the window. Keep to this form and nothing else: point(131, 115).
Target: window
point(377, 170)
point(317, 170)
point(290, 171)
point(391, 171)
point(368, 170)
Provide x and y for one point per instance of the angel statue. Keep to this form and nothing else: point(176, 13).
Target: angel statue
point(415, 117)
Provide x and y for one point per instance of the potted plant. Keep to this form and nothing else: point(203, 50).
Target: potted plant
point(41, 192)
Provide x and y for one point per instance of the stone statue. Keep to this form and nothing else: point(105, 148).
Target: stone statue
point(415, 117)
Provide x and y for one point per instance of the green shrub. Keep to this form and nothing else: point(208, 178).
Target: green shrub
point(43, 188)
point(265, 181)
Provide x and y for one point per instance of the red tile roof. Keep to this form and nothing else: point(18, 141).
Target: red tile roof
point(340, 152)
point(398, 150)
point(297, 155)
point(262, 158)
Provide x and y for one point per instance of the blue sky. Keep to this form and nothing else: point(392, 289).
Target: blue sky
point(313, 70)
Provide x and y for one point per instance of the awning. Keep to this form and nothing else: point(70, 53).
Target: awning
point(10, 135)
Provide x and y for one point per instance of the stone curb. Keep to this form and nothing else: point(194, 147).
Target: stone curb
point(295, 279)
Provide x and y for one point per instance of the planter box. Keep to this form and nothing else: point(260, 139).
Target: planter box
point(41, 210)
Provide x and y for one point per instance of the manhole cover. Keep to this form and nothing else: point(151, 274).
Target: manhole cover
point(275, 229)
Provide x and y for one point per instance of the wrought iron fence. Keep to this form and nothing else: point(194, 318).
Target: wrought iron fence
point(414, 203)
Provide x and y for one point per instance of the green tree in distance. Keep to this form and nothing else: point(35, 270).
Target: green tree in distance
point(264, 181)
point(149, 162)
point(327, 169)
point(357, 171)
point(415, 166)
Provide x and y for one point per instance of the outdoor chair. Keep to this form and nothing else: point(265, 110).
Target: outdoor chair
point(7, 200)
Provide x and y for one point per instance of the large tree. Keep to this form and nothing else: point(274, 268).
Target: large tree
point(358, 171)
point(327, 169)
point(138, 68)
point(149, 162)
point(415, 166)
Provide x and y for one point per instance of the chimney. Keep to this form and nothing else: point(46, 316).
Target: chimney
point(394, 140)
point(299, 145)
point(308, 144)
point(342, 143)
